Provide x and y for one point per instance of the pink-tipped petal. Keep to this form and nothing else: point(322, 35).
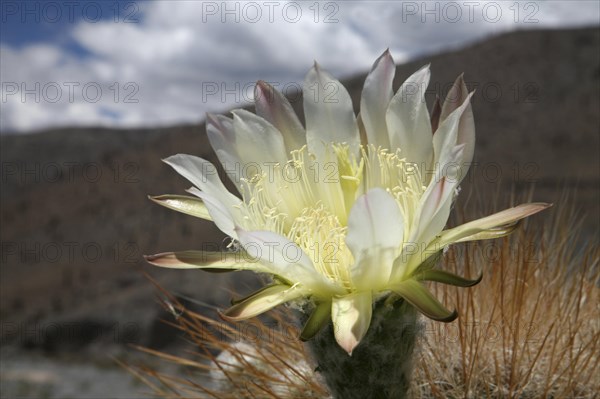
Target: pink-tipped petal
point(256, 140)
point(351, 316)
point(457, 96)
point(495, 225)
point(446, 138)
point(329, 114)
point(221, 136)
point(275, 108)
point(376, 95)
point(408, 121)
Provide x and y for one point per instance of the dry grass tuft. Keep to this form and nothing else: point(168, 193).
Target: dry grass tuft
point(530, 329)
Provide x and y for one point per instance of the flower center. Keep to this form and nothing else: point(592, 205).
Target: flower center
point(308, 201)
point(321, 236)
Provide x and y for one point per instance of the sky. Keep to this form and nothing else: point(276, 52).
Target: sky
point(158, 63)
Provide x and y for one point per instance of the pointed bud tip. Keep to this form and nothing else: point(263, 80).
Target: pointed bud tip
point(222, 315)
point(348, 344)
point(211, 118)
point(262, 86)
point(450, 318)
point(385, 56)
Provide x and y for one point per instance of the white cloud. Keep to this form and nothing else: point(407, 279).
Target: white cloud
point(165, 68)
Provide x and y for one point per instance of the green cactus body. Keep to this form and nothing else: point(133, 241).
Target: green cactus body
point(381, 365)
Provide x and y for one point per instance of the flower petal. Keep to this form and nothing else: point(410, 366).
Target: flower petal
point(317, 320)
point(491, 233)
point(245, 145)
point(284, 257)
point(256, 140)
point(207, 261)
point(220, 133)
point(271, 105)
point(495, 225)
point(351, 316)
point(203, 175)
point(445, 277)
point(376, 95)
point(219, 213)
point(261, 301)
point(408, 121)
point(418, 296)
point(436, 203)
point(457, 95)
point(184, 204)
point(446, 138)
point(328, 112)
point(375, 233)
point(222, 206)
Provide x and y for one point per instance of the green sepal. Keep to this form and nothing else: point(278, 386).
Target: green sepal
point(317, 320)
point(417, 295)
point(445, 277)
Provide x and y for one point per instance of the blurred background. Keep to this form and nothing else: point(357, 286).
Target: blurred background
point(95, 93)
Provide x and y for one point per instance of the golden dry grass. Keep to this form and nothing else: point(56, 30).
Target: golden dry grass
point(530, 329)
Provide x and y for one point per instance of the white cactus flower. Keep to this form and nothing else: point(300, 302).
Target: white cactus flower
point(334, 218)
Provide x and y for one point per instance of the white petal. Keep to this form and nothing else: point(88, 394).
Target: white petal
point(220, 214)
point(498, 220)
point(408, 120)
point(274, 107)
point(435, 210)
point(203, 175)
point(256, 140)
point(457, 95)
point(436, 203)
point(246, 145)
point(328, 112)
point(446, 137)
point(351, 315)
point(493, 226)
point(375, 232)
point(285, 258)
point(221, 136)
point(376, 95)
